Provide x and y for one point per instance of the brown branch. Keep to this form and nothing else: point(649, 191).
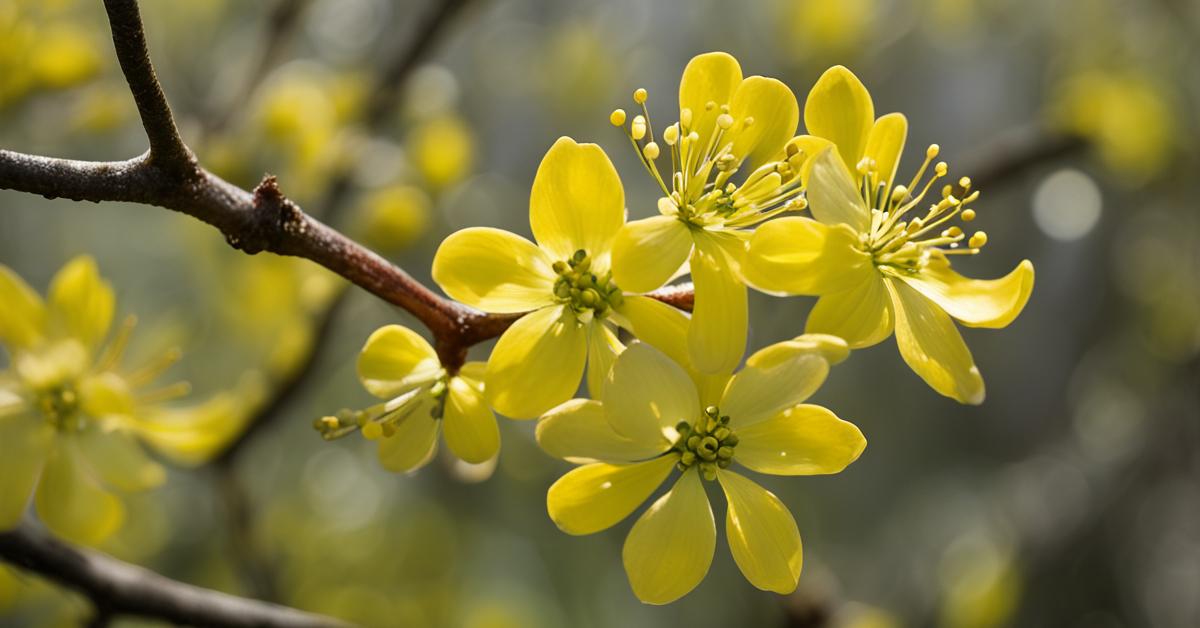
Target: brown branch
point(119, 588)
point(1018, 151)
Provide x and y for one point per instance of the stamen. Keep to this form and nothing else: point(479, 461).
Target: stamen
point(617, 117)
point(155, 368)
point(166, 393)
point(116, 349)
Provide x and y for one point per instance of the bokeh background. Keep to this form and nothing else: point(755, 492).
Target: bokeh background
point(1071, 498)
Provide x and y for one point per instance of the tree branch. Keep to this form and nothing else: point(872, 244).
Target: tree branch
point(167, 149)
point(118, 588)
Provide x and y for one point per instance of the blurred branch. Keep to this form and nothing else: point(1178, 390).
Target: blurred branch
point(1017, 152)
point(118, 588)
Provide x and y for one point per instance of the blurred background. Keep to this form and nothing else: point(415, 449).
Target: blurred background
point(1070, 499)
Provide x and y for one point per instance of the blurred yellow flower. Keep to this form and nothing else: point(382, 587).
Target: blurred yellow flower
point(70, 418)
point(726, 124)
point(652, 418)
point(878, 264)
point(1127, 115)
point(443, 150)
point(828, 28)
point(398, 365)
point(393, 217)
point(564, 282)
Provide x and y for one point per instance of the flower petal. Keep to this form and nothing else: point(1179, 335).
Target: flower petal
point(647, 394)
point(775, 114)
point(710, 77)
point(885, 144)
point(118, 460)
point(862, 315)
point(413, 443)
point(990, 303)
point(839, 108)
point(717, 334)
point(23, 316)
point(579, 431)
point(774, 379)
point(81, 302)
point(594, 497)
point(469, 426)
point(796, 255)
point(25, 442)
point(833, 196)
point(603, 349)
point(762, 534)
point(192, 435)
point(395, 360)
point(494, 270)
point(71, 503)
point(537, 363)
point(577, 200)
point(659, 325)
point(803, 440)
point(932, 346)
point(648, 252)
point(670, 548)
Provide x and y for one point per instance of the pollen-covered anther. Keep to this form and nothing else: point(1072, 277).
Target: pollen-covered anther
point(968, 215)
point(725, 121)
point(617, 117)
point(977, 240)
point(651, 151)
point(671, 134)
point(708, 442)
point(639, 95)
point(637, 128)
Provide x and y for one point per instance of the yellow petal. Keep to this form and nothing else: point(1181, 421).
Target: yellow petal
point(469, 426)
point(24, 444)
point(118, 460)
point(23, 317)
point(395, 360)
point(839, 108)
point(803, 440)
point(775, 114)
point(647, 253)
point(990, 303)
point(603, 349)
point(577, 200)
point(932, 346)
point(763, 536)
point(81, 302)
point(579, 431)
point(885, 144)
point(594, 497)
point(809, 146)
point(774, 379)
point(647, 394)
point(71, 503)
point(717, 335)
point(105, 394)
point(861, 315)
point(670, 548)
point(833, 196)
point(710, 77)
point(658, 324)
point(494, 270)
point(795, 255)
point(192, 435)
point(414, 441)
point(537, 363)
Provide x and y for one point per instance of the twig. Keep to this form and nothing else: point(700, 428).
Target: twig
point(1017, 152)
point(118, 588)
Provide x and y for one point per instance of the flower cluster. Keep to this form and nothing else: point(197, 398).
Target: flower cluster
point(71, 417)
point(666, 394)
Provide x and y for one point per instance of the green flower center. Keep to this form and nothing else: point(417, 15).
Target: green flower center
point(587, 293)
point(59, 407)
point(709, 443)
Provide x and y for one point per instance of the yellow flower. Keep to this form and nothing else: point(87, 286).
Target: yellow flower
point(576, 207)
point(398, 365)
point(70, 419)
point(652, 419)
point(727, 125)
point(879, 262)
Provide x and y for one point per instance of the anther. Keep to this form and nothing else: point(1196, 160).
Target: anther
point(671, 134)
point(748, 122)
point(725, 121)
point(977, 240)
point(968, 215)
point(685, 117)
point(932, 151)
point(650, 150)
point(638, 128)
point(639, 95)
point(941, 168)
point(617, 117)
